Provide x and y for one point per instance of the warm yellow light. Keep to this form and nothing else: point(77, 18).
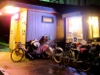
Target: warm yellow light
point(75, 25)
point(93, 27)
point(16, 16)
point(90, 20)
point(11, 9)
point(0, 13)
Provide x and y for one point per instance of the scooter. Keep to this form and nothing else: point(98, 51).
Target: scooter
point(37, 49)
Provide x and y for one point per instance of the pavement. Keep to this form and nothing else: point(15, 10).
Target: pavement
point(12, 68)
point(34, 67)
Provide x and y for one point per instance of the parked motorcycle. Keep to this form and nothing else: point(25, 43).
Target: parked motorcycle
point(33, 49)
point(41, 49)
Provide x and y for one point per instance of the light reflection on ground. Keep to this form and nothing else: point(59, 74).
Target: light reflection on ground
point(63, 70)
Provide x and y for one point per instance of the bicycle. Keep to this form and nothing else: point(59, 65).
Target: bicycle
point(69, 56)
point(80, 59)
point(31, 50)
point(19, 52)
point(57, 52)
point(66, 56)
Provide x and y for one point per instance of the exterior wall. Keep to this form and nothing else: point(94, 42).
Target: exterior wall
point(85, 27)
point(60, 31)
point(13, 32)
point(60, 27)
point(18, 29)
point(22, 28)
point(36, 28)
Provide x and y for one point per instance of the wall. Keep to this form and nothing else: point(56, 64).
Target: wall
point(18, 29)
point(22, 27)
point(36, 28)
point(60, 30)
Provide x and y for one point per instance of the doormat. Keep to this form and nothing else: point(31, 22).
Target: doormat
point(3, 72)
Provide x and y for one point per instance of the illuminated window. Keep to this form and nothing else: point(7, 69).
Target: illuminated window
point(93, 27)
point(74, 28)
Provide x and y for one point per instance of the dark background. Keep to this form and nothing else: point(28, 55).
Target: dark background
point(4, 28)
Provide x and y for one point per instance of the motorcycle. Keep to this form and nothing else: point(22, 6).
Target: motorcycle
point(38, 49)
point(41, 49)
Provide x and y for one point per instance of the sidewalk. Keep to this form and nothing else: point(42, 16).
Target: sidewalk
point(26, 67)
point(20, 68)
point(35, 67)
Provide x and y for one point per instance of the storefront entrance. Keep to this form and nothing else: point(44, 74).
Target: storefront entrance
point(73, 30)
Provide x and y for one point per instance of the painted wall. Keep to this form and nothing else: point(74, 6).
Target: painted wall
point(22, 27)
point(36, 28)
point(18, 29)
point(60, 31)
point(60, 27)
point(13, 32)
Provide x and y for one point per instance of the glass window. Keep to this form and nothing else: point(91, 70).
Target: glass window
point(93, 27)
point(71, 2)
point(74, 2)
point(82, 2)
point(74, 28)
point(93, 2)
point(45, 0)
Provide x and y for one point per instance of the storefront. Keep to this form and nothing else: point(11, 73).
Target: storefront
point(81, 26)
point(74, 29)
